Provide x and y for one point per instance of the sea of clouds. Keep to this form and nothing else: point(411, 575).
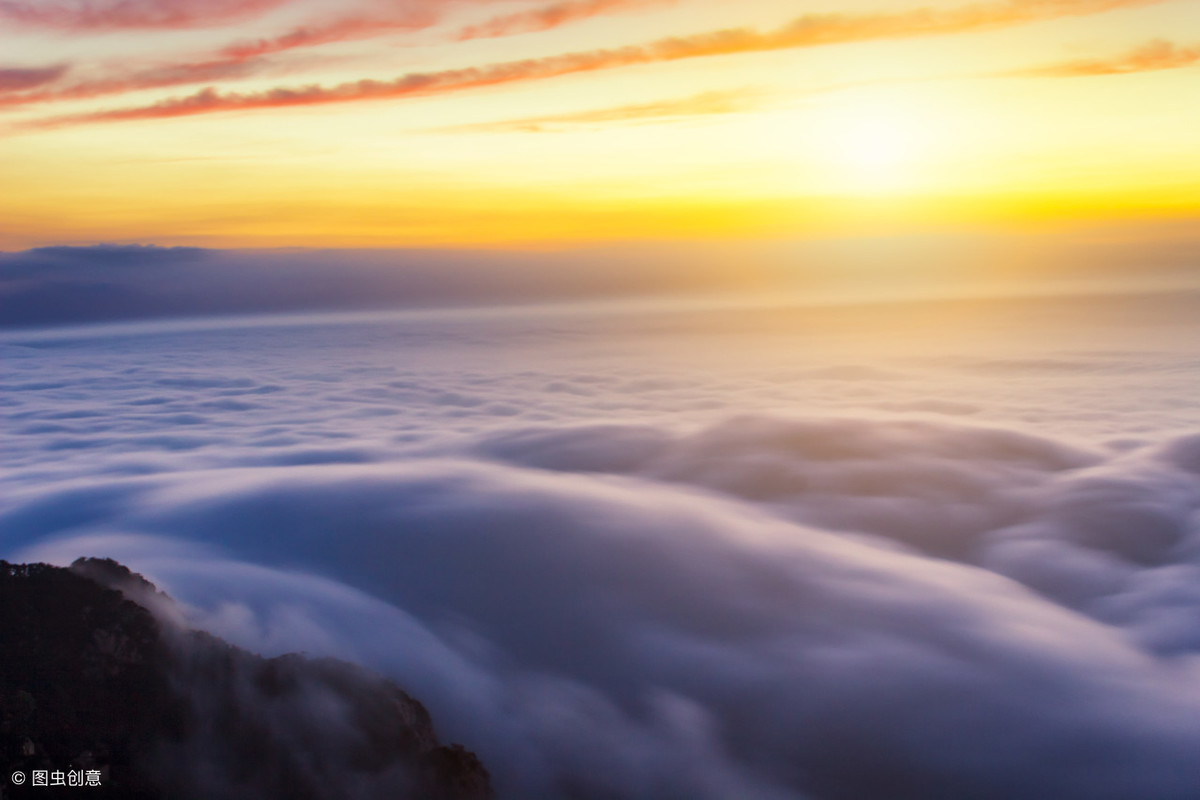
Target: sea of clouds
point(914, 550)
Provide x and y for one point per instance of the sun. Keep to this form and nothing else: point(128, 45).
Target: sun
point(868, 141)
point(881, 143)
point(878, 147)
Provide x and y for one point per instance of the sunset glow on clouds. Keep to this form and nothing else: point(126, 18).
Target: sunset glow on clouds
point(371, 123)
point(684, 399)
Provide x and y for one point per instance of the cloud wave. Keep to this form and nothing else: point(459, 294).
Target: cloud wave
point(626, 612)
point(693, 554)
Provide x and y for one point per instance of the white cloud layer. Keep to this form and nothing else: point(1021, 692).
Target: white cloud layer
point(700, 555)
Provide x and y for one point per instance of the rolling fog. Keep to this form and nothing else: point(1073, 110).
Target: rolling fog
point(927, 549)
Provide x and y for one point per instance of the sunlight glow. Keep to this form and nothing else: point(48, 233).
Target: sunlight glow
point(878, 147)
point(357, 125)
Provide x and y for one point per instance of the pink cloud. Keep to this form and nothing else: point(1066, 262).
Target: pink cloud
point(149, 78)
point(87, 15)
point(551, 16)
point(807, 31)
point(16, 79)
point(341, 29)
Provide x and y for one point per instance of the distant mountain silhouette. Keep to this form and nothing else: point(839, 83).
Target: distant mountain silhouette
point(94, 678)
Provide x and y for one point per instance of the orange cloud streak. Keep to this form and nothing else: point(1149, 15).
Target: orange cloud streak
point(236, 60)
point(1158, 54)
point(152, 78)
point(551, 16)
point(807, 31)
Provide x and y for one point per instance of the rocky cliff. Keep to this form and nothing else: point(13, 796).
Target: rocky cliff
point(94, 681)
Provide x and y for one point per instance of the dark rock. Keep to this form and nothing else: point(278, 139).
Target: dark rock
point(94, 675)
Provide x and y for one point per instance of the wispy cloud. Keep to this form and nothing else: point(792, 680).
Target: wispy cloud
point(156, 77)
point(336, 30)
point(17, 79)
point(550, 16)
point(703, 104)
point(84, 15)
point(1152, 56)
point(807, 31)
point(234, 61)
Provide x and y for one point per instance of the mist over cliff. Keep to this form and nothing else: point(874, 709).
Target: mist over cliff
point(97, 675)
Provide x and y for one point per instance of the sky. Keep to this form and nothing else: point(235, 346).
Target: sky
point(685, 399)
point(682, 398)
point(494, 124)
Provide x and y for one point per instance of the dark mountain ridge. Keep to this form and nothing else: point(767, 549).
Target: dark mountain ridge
point(95, 679)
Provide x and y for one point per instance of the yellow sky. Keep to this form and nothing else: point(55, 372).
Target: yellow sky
point(620, 120)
